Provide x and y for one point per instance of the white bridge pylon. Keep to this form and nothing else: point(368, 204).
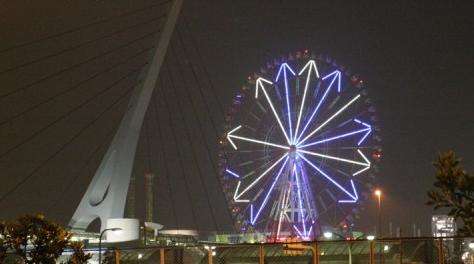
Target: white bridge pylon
point(107, 193)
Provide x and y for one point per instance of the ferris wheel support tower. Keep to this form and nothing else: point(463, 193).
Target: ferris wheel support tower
point(106, 195)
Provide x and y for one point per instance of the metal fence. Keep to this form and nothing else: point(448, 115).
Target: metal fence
point(386, 251)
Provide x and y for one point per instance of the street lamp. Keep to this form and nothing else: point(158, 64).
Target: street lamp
point(327, 235)
point(378, 193)
point(100, 240)
point(370, 237)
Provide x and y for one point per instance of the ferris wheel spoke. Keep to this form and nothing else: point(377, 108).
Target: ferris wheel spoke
point(310, 65)
point(300, 200)
point(340, 136)
point(336, 75)
point(329, 119)
point(265, 200)
point(354, 196)
point(285, 68)
point(258, 86)
point(231, 136)
point(312, 153)
point(237, 195)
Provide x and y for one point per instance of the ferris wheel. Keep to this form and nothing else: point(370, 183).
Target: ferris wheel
point(300, 148)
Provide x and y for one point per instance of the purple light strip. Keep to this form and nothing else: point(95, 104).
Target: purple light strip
point(338, 81)
point(369, 127)
point(232, 173)
point(360, 122)
point(300, 201)
point(328, 177)
point(269, 192)
point(306, 190)
point(319, 104)
point(310, 230)
point(251, 213)
point(364, 137)
point(284, 67)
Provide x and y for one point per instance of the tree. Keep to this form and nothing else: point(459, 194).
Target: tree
point(78, 257)
point(3, 242)
point(454, 189)
point(37, 240)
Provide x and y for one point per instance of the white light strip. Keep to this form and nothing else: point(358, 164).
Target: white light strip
point(332, 157)
point(364, 157)
point(310, 64)
point(327, 177)
point(329, 119)
point(237, 196)
point(259, 83)
point(308, 122)
point(259, 80)
point(360, 171)
point(229, 136)
point(284, 65)
point(265, 200)
point(260, 142)
point(297, 230)
point(355, 192)
point(236, 199)
point(335, 137)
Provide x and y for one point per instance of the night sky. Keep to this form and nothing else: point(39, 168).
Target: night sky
point(415, 56)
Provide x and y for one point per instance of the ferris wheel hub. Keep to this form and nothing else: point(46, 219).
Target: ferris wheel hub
point(292, 151)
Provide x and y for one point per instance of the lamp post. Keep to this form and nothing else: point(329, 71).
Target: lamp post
point(329, 235)
point(100, 240)
point(378, 193)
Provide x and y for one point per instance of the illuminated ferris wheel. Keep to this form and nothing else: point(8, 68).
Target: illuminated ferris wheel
point(300, 148)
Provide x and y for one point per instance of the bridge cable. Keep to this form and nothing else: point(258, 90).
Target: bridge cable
point(87, 161)
point(49, 76)
point(64, 146)
point(175, 139)
point(194, 44)
point(74, 87)
point(66, 69)
point(188, 136)
point(208, 111)
point(75, 47)
point(68, 113)
point(124, 14)
point(155, 105)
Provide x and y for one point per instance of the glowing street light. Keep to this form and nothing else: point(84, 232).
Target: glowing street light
point(211, 252)
point(327, 235)
point(378, 193)
point(370, 237)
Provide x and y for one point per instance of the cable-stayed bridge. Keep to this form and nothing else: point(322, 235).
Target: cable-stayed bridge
point(95, 95)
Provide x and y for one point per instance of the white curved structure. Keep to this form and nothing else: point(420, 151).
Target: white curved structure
point(129, 229)
point(106, 195)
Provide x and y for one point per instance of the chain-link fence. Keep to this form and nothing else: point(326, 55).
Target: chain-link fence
point(383, 251)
